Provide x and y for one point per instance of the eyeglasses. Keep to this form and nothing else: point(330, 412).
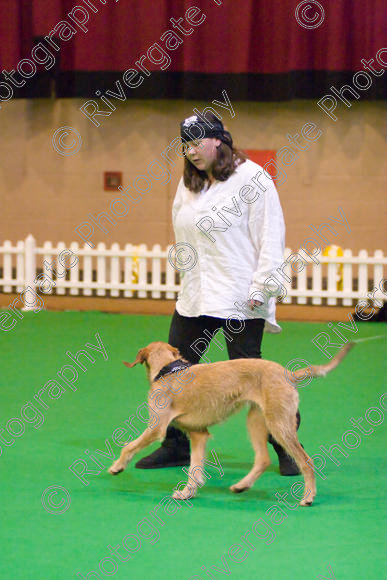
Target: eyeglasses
point(192, 145)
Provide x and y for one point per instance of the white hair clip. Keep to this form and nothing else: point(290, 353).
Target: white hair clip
point(190, 121)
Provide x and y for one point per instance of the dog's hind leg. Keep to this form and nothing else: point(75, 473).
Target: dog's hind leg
point(195, 473)
point(258, 434)
point(284, 431)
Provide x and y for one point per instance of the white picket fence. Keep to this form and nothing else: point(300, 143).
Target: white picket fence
point(137, 271)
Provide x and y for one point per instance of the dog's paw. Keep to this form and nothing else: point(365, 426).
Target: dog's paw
point(185, 493)
point(116, 468)
point(306, 502)
point(236, 488)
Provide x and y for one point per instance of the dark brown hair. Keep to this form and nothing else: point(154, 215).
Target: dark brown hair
point(227, 160)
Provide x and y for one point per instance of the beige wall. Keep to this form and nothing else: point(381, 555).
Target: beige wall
point(49, 195)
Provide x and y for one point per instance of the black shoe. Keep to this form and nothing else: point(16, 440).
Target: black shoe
point(287, 465)
point(174, 452)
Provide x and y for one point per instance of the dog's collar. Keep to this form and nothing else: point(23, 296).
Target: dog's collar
point(173, 367)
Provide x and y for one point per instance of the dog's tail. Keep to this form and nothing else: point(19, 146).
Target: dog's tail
point(322, 370)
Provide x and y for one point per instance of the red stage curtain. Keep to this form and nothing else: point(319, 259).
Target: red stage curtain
point(256, 45)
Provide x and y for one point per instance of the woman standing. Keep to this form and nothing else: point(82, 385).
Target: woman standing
point(229, 225)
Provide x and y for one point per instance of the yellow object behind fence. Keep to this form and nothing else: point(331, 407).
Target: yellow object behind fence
point(336, 252)
point(135, 266)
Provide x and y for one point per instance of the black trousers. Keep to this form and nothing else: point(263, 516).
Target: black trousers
point(193, 335)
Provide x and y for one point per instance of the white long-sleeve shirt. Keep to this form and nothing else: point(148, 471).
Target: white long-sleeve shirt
point(234, 263)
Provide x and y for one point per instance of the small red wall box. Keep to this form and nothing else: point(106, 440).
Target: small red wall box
point(262, 156)
point(112, 180)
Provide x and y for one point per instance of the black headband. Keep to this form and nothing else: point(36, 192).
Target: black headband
point(198, 127)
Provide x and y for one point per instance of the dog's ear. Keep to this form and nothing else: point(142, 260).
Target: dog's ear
point(175, 351)
point(140, 358)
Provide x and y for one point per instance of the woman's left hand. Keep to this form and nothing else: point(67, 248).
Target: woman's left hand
point(253, 303)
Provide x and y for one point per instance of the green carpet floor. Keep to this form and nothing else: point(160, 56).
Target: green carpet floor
point(221, 534)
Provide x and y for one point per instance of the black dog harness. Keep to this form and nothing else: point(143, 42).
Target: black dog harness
point(173, 367)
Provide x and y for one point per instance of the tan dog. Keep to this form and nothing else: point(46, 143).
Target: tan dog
point(206, 394)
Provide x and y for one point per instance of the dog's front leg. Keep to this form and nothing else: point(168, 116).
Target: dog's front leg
point(148, 437)
point(195, 473)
